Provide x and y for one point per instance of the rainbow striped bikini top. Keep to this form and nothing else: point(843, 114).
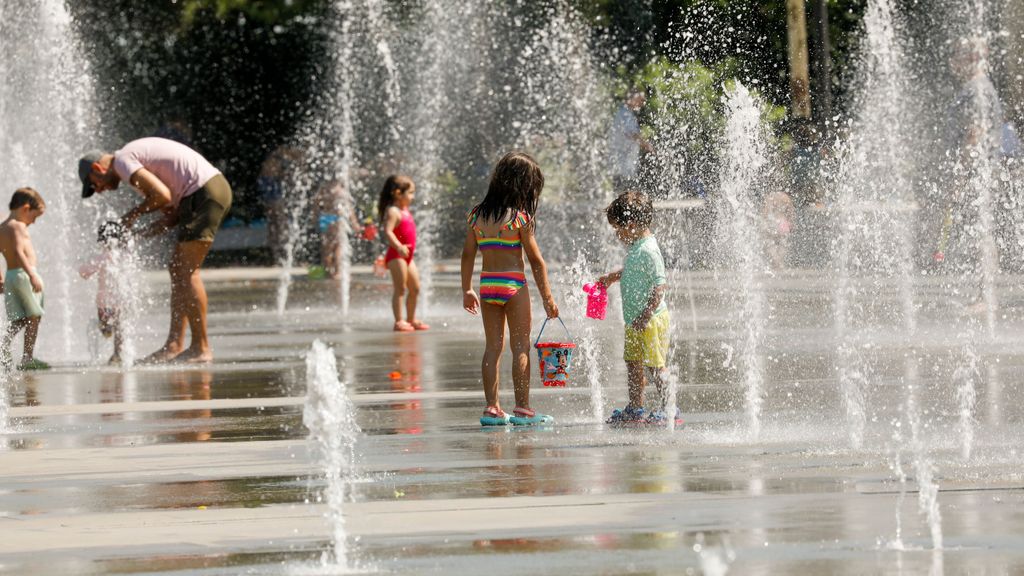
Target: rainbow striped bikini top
point(508, 237)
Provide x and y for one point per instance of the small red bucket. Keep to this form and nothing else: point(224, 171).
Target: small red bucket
point(554, 358)
point(369, 230)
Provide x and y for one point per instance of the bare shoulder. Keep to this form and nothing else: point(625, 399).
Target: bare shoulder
point(9, 234)
point(19, 229)
point(12, 228)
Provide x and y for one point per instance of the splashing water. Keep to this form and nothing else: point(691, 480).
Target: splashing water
point(714, 561)
point(983, 156)
point(359, 47)
point(875, 206)
point(47, 112)
point(5, 399)
point(299, 203)
point(589, 346)
point(901, 476)
point(853, 379)
point(671, 396)
point(924, 470)
point(743, 175)
point(965, 376)
point(330, 417)
point(125, 273)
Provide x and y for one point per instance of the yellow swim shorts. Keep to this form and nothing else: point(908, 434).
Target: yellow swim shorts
point(649, 345)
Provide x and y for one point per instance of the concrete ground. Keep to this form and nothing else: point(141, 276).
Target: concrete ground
point(208, 470)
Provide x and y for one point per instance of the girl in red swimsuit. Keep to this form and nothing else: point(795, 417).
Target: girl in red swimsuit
point(400, 234)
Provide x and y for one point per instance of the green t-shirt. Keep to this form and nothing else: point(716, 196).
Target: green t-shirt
point(644, 269)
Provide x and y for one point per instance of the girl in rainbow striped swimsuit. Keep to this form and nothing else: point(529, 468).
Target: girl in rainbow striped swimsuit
point(502, 227)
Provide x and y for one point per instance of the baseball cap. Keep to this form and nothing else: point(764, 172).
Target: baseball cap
point(84, 169)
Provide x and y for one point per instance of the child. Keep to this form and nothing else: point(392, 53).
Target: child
point(502, 228)
point(23, 288)
point(643, 307)
point(400, 234)
point(111, 235)
point(332, 203)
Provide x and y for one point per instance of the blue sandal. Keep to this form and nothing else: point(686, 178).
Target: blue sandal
point(660, 418)
point(627, 415)
point(494, 416)
point(527, 417)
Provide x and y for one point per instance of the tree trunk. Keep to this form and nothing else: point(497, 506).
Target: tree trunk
point(799, 77)
point(823, 70)
point(1014, 23)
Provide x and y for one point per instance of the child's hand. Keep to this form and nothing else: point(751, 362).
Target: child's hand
point(551, 308)
point(403, 250)
point(471, 302)
point(37, 283)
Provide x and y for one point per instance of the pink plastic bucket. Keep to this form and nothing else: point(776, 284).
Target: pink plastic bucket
point(597, 300)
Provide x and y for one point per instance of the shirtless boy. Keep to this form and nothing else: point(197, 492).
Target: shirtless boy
point(22, 286)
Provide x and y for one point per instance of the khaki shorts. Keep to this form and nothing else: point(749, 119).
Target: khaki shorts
point(19, 299)
point(650, 345)
point(201, 214)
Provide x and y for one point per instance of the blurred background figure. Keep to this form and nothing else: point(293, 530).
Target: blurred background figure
point(625, 141)
point(335, 214)
point(277, 177)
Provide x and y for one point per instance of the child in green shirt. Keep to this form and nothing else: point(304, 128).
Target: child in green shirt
point(644, 311)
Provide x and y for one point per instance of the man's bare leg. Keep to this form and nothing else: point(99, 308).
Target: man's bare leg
point(175, 343)
point(188, 307)
point(194, 302)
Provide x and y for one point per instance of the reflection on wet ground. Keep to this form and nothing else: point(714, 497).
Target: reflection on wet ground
point(207, 470)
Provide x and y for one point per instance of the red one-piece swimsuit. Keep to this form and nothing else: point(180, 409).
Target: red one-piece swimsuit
point(405, 231)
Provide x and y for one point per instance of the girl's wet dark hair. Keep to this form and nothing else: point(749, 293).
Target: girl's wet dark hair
point(394, 183)
point(516, 184)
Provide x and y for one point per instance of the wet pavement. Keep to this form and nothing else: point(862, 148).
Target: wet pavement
point(208, 470)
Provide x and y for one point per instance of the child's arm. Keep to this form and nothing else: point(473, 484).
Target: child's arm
point(540, 269)
point(391, 218)
point(90, 268)
point(156, 193)
point(470, 300)
point(161, 225)
point(652, 304)
point(610, 278)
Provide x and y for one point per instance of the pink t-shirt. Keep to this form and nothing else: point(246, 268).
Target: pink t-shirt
point(179, 167)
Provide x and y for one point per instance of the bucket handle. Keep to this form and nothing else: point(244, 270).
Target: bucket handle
point(537, 341)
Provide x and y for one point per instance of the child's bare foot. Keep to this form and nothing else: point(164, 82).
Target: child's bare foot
point(162, 356)
point(193, 356)
point(115, 360)
point(417, 325)
point(403, 326)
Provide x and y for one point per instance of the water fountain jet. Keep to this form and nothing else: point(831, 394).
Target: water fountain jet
point(330, 417)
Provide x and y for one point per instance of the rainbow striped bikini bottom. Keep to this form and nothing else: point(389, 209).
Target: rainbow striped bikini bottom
point(499, 287)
